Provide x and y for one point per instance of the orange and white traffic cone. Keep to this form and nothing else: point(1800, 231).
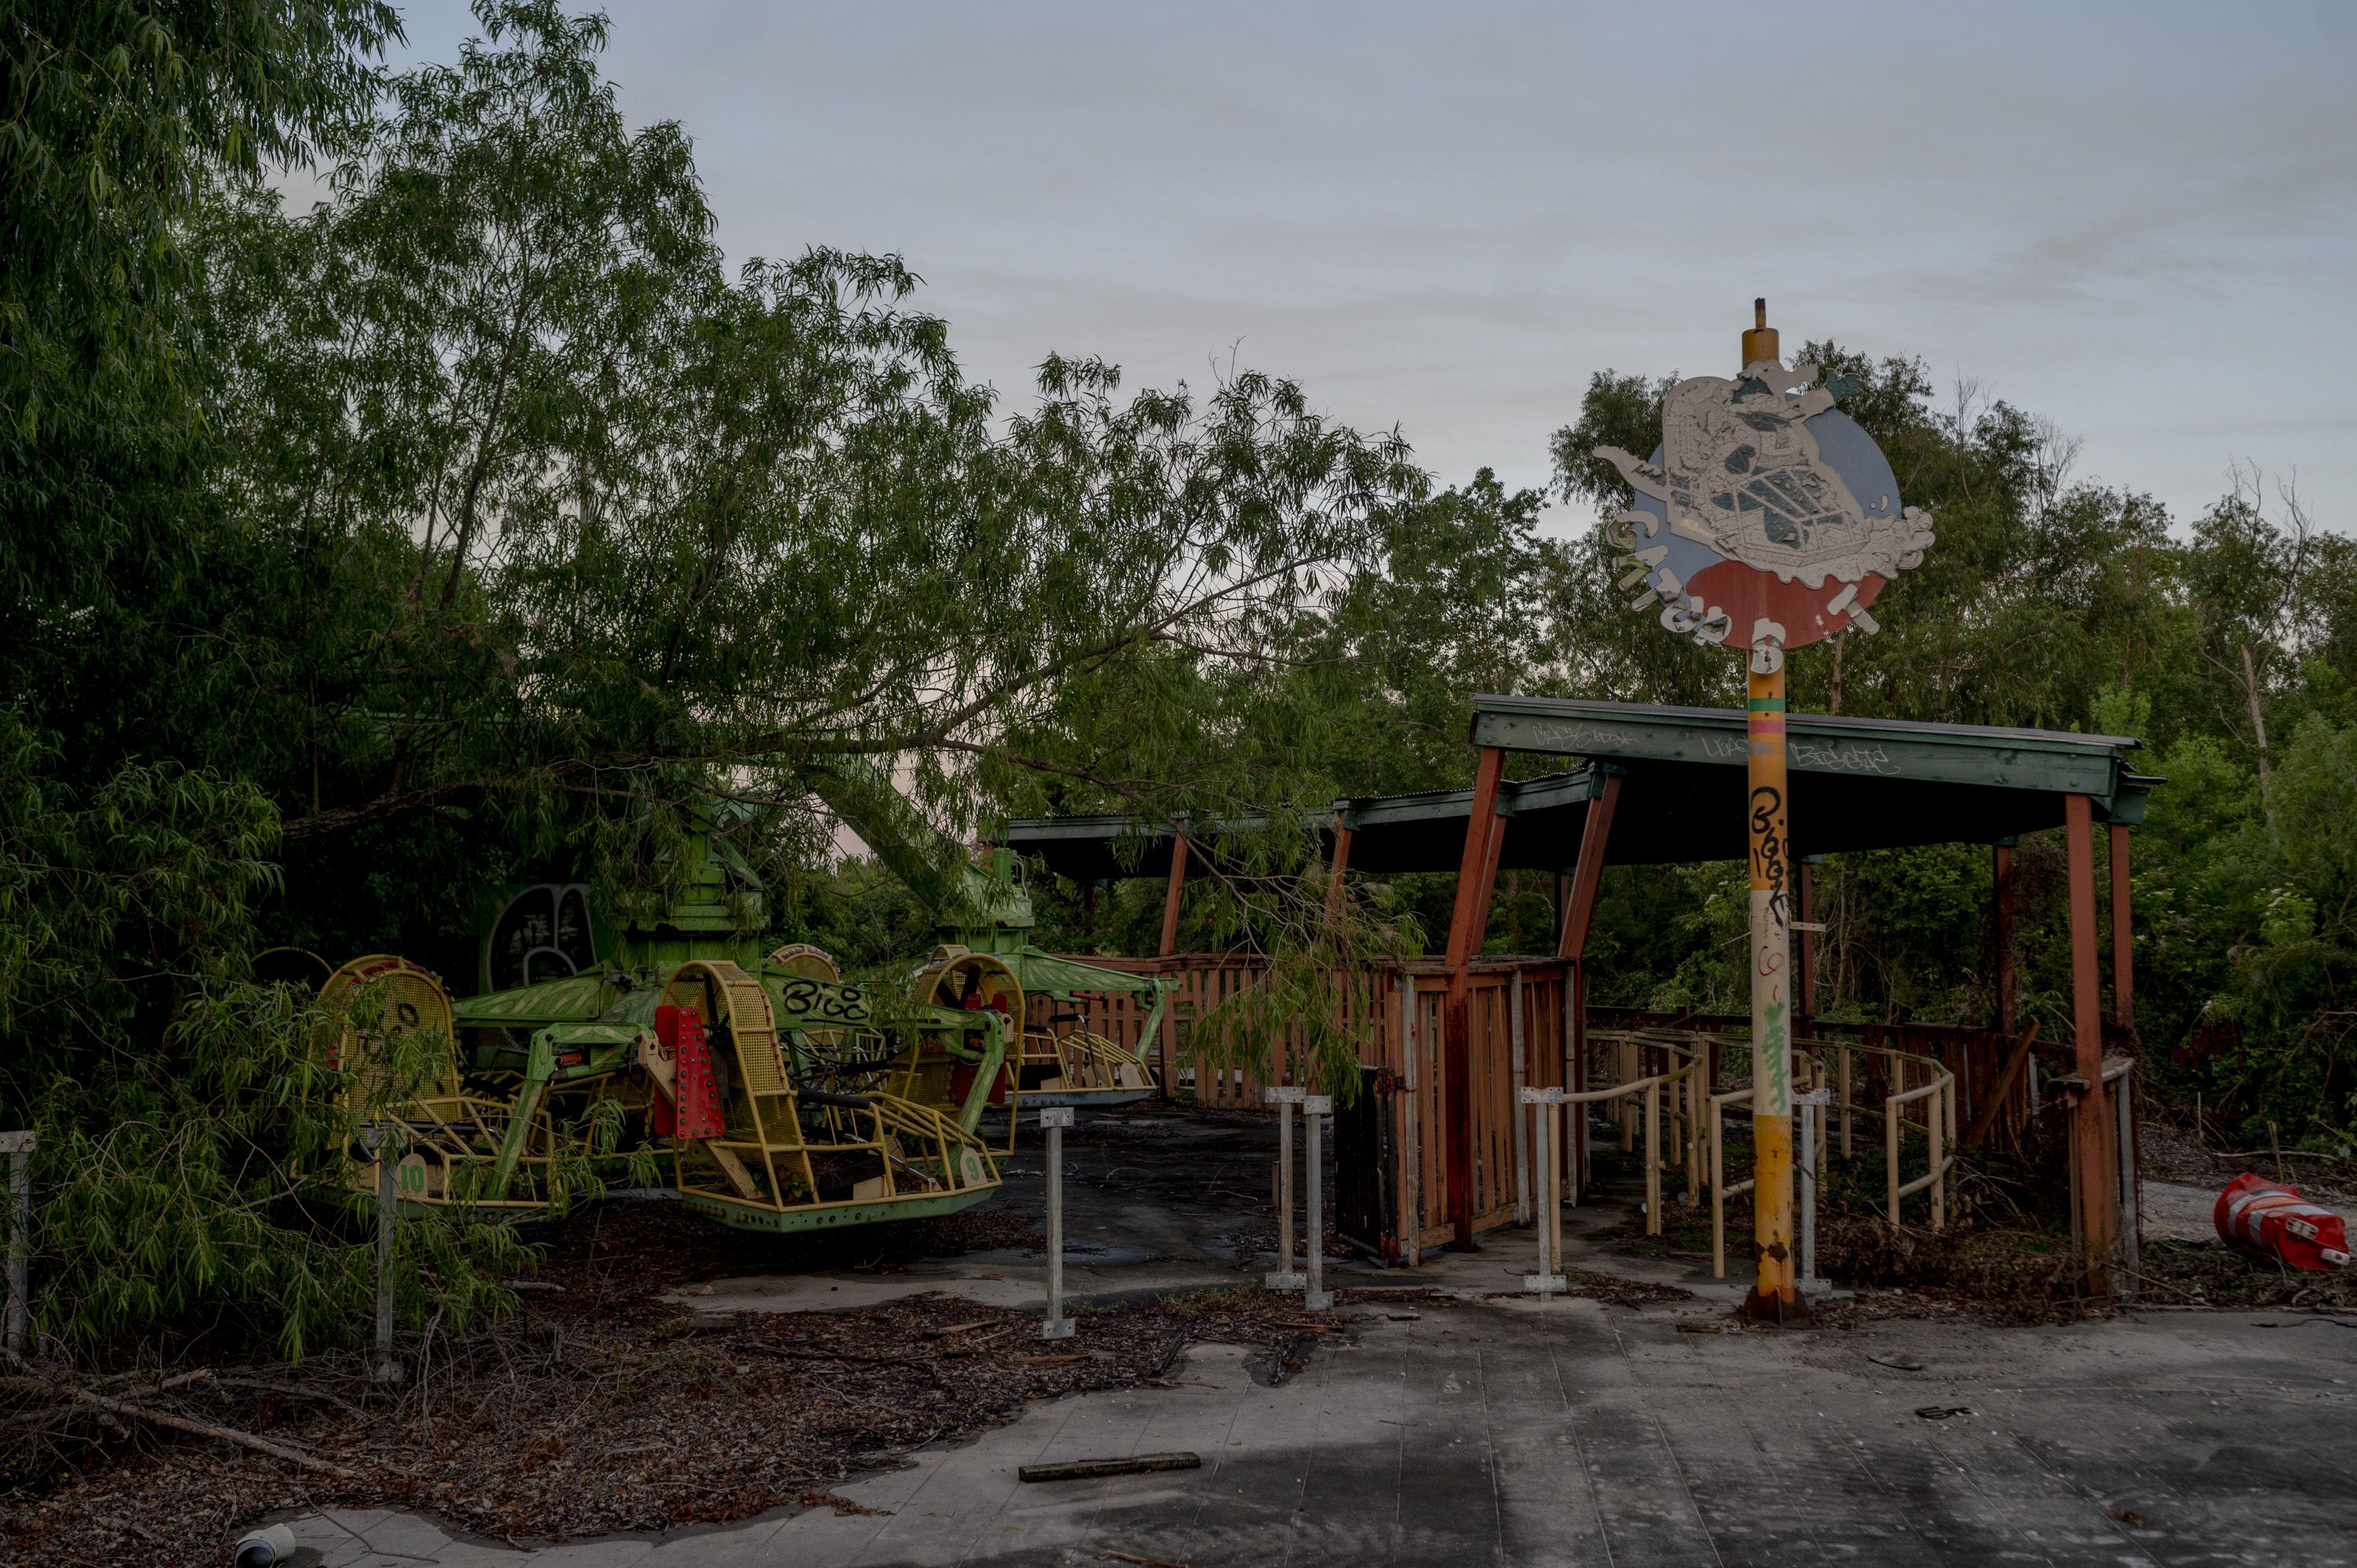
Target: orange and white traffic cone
point(2274, 1221)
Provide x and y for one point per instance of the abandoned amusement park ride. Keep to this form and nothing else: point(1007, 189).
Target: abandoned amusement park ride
point(780, 1096)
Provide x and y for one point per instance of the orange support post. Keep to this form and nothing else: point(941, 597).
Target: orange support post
point(1589, 873)
point(1477, 871)
point(1335, 873)
point(2097, 1190)
point(1578, 915)
point(1170, 898)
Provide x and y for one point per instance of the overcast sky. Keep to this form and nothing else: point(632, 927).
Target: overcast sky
point(2137, 218)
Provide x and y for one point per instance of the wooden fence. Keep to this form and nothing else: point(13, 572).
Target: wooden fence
point(1520, 1033)
point(1516, 1034)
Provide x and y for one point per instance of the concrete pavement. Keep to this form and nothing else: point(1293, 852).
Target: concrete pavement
point(1490, 1432)
point(1508, 1433)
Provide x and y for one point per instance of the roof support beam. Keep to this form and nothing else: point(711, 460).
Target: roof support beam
point(1578, 894)
point(1334, 875)
point(1596, 833)
point(2095, 1182)
point(1477, 872)
point(1170, 897)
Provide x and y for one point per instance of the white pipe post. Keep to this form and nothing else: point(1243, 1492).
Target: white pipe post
point(1523, 1208)
point(1805, 1115)
point(19, 1149)
point(1314, 1109)
point(1053, 1122)
point(1286, 1276)
point(2124, 1099)
point(1549, 1278)
point(383, 1142)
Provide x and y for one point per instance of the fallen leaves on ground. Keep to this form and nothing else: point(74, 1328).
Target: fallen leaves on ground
point(599, 1407)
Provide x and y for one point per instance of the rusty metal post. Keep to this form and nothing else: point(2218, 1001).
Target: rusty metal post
point(1775, 1292)
point(1053, 1122)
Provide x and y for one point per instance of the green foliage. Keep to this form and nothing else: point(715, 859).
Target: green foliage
point(479, 525)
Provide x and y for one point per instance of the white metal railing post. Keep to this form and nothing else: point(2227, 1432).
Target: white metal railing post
point(1523, 1208)
point(1550, 1277)
point(19, 1147)
point(2122, 1082)
point(1053, 1120)
point(1653, 1156)
point(383, 1142)
point(1805, 1109)
point(1286, 1276)
point(1314, 1111)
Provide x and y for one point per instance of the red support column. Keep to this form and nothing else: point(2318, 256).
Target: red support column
point(2002, 876)
point(1170, 898)
point(2097, 1187)
point(2123, 938)
point(1477, 869)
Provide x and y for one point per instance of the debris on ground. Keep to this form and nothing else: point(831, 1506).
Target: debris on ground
point(1260, 1241)
point(1091, 1469)
point(597, 1408)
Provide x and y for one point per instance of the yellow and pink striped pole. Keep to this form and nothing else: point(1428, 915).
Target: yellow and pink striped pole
point(1775, 1297)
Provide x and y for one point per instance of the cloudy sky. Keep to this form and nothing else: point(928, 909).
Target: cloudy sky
point(2137, 220)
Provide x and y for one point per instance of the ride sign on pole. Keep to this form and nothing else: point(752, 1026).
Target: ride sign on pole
point(1769, 519)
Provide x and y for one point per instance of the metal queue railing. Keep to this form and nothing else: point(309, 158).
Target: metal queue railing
point(1699, 1117)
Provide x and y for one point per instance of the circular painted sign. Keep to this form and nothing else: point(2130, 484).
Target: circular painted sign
point(1766, 514)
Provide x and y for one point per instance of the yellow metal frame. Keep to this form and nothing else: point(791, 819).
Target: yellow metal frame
point(445, 1129)
point(761, 1165)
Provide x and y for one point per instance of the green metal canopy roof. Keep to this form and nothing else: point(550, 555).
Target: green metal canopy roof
point(1856, 784)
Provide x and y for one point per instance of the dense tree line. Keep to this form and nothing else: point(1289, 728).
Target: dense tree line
point(479, 523)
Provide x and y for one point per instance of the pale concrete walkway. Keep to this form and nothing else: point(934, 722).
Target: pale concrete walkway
point(1503, 1432)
